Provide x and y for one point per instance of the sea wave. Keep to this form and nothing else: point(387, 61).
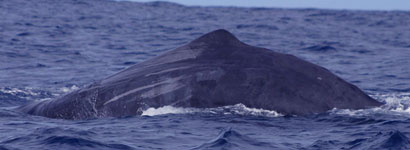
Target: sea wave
point(232, 139)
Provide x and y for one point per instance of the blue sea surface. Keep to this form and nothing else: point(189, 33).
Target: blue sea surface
point(49, 48)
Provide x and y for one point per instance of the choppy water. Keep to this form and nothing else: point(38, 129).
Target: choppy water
point(49, 48)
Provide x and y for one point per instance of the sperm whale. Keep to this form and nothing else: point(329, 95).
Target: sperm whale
point(213, 70)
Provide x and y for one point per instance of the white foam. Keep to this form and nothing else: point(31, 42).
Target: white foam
point(395, 103)
point(241, 109)
point(15, 91)
point(238, 109)
point(69, 89)
point(26, 93)
point(167, 110)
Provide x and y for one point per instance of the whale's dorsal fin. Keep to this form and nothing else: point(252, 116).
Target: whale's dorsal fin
point(217, 38)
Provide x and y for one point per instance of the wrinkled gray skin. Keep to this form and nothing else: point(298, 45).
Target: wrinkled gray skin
point(214, 70)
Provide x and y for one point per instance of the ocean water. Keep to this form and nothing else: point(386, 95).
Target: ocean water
point(49, 48)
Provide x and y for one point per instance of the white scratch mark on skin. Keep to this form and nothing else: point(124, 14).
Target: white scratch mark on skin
point(164, 71)
point(161, 90)
point(167, 81)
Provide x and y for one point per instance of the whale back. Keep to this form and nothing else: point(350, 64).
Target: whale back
point(214, 70)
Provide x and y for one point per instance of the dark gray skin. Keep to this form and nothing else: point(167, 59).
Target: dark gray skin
point(212, 71)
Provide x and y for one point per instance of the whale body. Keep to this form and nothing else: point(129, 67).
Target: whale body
point(212, 71)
